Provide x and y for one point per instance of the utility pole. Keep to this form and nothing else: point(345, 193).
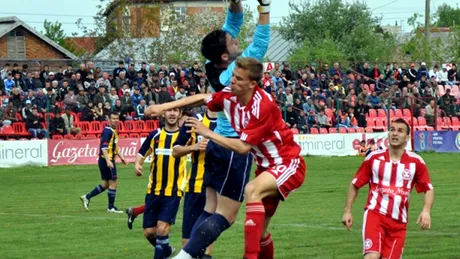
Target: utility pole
point(427, 19)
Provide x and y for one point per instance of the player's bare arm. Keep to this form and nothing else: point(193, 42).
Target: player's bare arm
point(191, 101)
point(424, 219)
point(106, 155)
point(347, 218)
point(180, 151)
point(233, 144)
point(122, 158)
point(236, 6)
point(138, 165)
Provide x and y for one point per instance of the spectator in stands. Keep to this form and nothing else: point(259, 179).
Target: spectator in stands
point(82, 98)
point(291, 117)
point(69, 120)
point(422, 71)
point(323, 120)
point(309, 106)
point(412, 74)
point(70, 101)
point(98, 112)
point(34, 126)
point(57, 124)
point(30, 97)
point(9, 83)
point(447, 104)
point(19, 82)
point(275, 69)
point(311, 120)
point(15, 98)
point(374, 101)
point(87, 113)
point(102, 96)
point(136, 97)
point(121, 80)
point(104, 81)
point(27, 110)
point(113, 96)
point(10, 112)
point(360, 113)
point(429, 113)
point(36, 80)
point(174, 87)
point(443, 76)
point(154, 81)
point(83, 73)
point(301, 123)
point(140, 110)
point(181, 93)
point(288, 95)
point(121, 68)
point(29, 83)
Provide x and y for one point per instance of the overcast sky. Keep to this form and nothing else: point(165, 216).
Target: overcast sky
point(34, 12)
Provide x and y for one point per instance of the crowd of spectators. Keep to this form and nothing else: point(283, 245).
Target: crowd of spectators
point(309, 97)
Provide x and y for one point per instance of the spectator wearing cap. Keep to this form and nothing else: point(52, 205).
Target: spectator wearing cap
point(57, 124)
point(127, 101)
point(27, 110)
point(139, 80)
point(121, 68)
point(34, 126)
point(287, 72)
point(291, 117)
point(70, 101)
point(82, 98)
point(131, 74)
point(181, 93)
point(422, 71)
point(104, 81)
point(102, 96)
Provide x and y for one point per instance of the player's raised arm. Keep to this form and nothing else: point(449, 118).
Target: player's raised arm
point(234, 19)
point(259, 46)
point(191, 101)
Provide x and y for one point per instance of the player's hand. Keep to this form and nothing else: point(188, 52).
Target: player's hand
point(347, 220)
point(197, 127)
point(424, 220)
point(154, 110)
point(123, 160)
point(264, 2)
point(138, 169)
point(201, 146)
point(110, 164)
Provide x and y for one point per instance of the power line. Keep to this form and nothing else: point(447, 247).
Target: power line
point(47, 14)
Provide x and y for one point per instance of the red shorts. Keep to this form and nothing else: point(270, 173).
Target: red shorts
point(384, 235)
point(288, 176)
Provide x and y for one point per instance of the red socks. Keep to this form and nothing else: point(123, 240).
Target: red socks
point(267, 249)
point(253, 226)
point(138, 210)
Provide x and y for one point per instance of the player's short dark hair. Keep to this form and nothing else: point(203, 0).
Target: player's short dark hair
point(253, 66)
point(402, 121)
point(113, 113)
point(214, 45)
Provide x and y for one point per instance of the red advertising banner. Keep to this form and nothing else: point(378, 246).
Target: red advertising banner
point(86, 152)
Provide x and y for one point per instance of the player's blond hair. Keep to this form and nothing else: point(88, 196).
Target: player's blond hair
point(253, 66)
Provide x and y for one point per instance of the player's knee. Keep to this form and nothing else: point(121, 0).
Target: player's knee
point(150, 233)
point(105, 185)
point(113, 184)
point(163, 229)
point(372, 256)
point(251, 192)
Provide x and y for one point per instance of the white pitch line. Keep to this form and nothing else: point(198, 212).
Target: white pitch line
point(292, 225)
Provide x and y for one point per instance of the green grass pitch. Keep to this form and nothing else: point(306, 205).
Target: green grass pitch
point(41, 215)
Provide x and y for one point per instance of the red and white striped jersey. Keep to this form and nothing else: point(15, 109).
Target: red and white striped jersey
point(390, 183)
point(259, 124)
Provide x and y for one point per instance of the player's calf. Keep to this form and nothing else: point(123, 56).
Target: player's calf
point(162, 248)
point(151, 235)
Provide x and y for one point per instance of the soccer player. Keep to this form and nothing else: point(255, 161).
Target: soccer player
point(391, 175)
point(163, 192)
point(136, 211)
point(107, 166)
point(255, 116)
point(195, 193)
point(228, 170)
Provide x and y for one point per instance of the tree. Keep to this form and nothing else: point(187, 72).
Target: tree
point(454, 40)
point(55, 32)
point(179, 40)
point(420, 48)
point(349, 30)
point(447, 16)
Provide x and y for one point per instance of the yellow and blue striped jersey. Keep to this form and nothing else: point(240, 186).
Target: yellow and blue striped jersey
point(196, 176)
point(109, 141)
point(166, 172)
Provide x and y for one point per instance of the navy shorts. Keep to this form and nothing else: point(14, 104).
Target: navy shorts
point(227, 172)
point(193, 207)
point(106, 172)
point(160, 208)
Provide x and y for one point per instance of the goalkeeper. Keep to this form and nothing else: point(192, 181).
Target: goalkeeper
point(227, 172)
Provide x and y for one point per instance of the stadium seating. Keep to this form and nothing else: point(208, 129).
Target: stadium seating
point(351, 130)
point(454, 125)
point(332, 130)
point(323, 131)
point(342, 130)
point(314, 131)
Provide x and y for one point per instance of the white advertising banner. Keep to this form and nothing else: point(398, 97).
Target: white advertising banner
point(339, 144)
point(23, 153)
